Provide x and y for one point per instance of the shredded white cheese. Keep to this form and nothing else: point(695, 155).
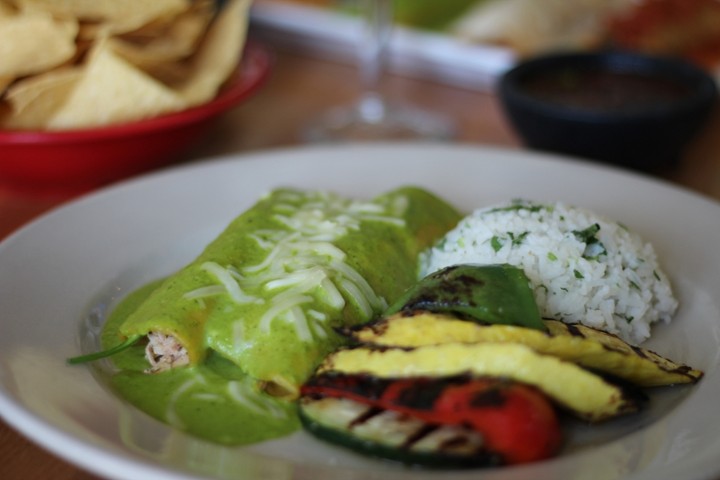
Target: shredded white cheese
point(249, 397)
point(171, 416)
point(228, 283)
point(303, 269)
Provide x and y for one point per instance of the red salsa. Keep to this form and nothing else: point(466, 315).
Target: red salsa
point(604, 91)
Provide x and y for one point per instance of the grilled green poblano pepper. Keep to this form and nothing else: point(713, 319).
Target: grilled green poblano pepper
point(495, 294)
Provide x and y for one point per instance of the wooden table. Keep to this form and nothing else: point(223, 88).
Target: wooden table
point(301, 88)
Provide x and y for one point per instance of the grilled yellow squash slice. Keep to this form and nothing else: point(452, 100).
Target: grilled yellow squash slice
point(581, 392)
point(588, 347)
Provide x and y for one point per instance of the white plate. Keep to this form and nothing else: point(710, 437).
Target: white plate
point(77, 261)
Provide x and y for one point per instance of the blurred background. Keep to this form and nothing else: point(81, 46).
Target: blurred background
point(468, 43)
point(298, 60)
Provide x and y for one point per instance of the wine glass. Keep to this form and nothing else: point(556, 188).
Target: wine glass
point(371, 117)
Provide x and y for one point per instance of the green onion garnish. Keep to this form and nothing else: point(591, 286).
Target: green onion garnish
point(91, 357)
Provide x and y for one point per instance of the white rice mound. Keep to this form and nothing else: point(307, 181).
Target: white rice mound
point(583, 268)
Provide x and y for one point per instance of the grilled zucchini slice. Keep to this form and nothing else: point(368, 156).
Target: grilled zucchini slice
point(638, 365)
point(579, 391)
point(391, 435)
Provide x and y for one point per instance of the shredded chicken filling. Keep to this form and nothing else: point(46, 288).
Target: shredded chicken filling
point(164, 352)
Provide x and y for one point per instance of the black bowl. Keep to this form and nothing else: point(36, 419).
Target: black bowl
point(623, 108)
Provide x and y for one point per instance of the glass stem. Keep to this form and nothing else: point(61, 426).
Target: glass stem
point(372, 53)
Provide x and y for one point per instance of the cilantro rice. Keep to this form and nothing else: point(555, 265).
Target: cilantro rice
point(582, 267)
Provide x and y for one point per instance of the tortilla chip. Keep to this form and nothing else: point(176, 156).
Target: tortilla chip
point(113, 91)
point(35, 99)
point(219, 54)
point(4, 112)
point(4, 83)
point(86, 63)
point(187, 27)
point(34, 42)
point(530, 27)
point(173, 41)
point(117, 15)
point(6, 9)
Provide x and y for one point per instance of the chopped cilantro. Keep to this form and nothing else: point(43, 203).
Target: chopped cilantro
point(517, 205)
point(588, 235)
point(578, 274)
point(517, 240)
point(496, 243)
point(551, 256)
point(593, 247)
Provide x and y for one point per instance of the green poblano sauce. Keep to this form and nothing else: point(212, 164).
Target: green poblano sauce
point(260, 305)
point(214, 400)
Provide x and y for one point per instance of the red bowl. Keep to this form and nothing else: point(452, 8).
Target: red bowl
point(79, 160)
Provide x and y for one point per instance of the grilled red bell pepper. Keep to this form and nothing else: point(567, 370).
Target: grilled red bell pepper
point(515, 420)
